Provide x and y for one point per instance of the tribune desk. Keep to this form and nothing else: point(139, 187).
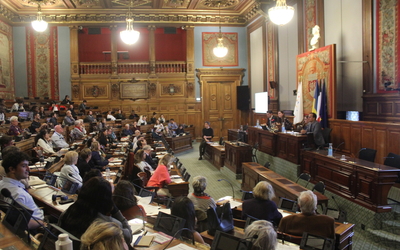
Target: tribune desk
point(363, 182)
point(254, 173)
point(235, 154)
point(215, 154)
point(180, 143)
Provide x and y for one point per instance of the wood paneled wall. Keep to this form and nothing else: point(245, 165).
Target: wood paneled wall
point(383, 137)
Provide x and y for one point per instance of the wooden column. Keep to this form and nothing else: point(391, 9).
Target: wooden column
point(190, 61)
point(74, 52)
point(152, 50)
point(114, 53)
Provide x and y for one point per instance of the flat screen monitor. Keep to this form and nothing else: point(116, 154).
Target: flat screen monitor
point(49, 240)
point(17, 219)
point(223, 241)
point(247, 195)
point(287, 204)
point(314, 242)
point(169, 224)
point(261, 102)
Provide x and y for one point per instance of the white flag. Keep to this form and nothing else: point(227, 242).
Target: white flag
point(298, 108)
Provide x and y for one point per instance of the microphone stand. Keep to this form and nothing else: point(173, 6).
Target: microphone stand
point(233, 191)
point(338, 147)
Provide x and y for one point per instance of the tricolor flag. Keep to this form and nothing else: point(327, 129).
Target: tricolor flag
point(315, 100)
point(323, 112)
point(298, 108)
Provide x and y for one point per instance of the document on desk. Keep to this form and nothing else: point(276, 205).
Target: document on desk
point(181, 247)
point(177, 180)
point(287, 246)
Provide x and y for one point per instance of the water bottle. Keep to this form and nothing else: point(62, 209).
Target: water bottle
point(258, 123)
point(283, 129)
point(241, 127)
point(107, 173)
point(330, 150)
point(63, 242)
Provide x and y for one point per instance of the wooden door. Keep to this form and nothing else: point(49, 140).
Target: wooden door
point(219, 100)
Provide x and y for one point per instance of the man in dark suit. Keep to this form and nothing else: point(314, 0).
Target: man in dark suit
point(149, 158)
point(313, 126)
point(271, 119)
point(308, 221)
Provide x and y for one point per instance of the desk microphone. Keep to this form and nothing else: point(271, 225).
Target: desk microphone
point(177, 232)
point(233, 191)
point(6, 193)
point(358, 153)
point(338, 147)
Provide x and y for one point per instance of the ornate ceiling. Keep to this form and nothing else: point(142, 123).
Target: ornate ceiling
point(161, 12)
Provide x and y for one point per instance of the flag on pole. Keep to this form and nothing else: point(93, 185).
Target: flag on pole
point(298, 108)
point(315, 100)
point(319, 104)
point(324, 107)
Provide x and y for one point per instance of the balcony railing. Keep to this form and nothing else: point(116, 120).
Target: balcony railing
point(102, 68)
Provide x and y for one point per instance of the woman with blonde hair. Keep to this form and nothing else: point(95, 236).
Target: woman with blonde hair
point(261, 206)
point(70, 171)
point(103, 236)
point(160, 177)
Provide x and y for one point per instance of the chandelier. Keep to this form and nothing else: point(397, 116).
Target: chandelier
point(281, 14)
point(220, 50)
point(39, 24)
point(129, 36)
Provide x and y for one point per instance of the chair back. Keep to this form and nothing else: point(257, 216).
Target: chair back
point(304, 176)
point(186, 177)
point(320, 187)
point(367, 154)
point(326, 132)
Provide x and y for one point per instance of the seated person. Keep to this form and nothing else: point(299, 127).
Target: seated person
point(16, 166)
point(101, 124)
point(201, 200)
point(183, 207)
point(160, 177)
point(133, 115)
point(58, 139)
point(157, 130)
point(6, 141)
point(53, 120)
point(68, 119)
point(140, 161)
point(140, 144)
point(127, 131)
point(98, 157)
point(70, 171)
point(82, 106)
point(135, 127)
point(83, 162)
point(125, 200)
point(308, 221)
point(162, 118)
point(89, 118)
point(313, 126)
point(14, 129)
point(153, 119)
point(180, 130)
point(149, 159)
point(103, 235)
point(35, 125)
point(111, 135)
point(79, 131)
point(283, 121)
point(266, 235)
point(110, 116)
point(172, 125)
point(261, 206)
point(103, 138)
point(94, 172)
point(2, 116)
point(71, 108)
point(94, 203)
point(54, 107)
point(42, 113)
point(142, 120)
point(18, 106)
point(43, 140)
point(136, 140)
point(66, 100)
point(119, 115)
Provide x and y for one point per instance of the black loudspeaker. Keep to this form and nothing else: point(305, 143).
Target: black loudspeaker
point(243, 97)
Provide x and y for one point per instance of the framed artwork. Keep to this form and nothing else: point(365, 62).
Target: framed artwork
point(316, 66)
point(209, 42)
point(137, 90)
point(6, 62)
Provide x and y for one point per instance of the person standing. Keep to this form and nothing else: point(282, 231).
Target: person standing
point(207, 134)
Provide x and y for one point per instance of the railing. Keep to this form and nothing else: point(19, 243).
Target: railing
point(101, 68)
point(95, 68)
point(170, 67)
point(133, 68)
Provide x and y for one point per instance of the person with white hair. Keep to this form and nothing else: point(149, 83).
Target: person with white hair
point(14, 129)
point(308, 221)
point(266, 238)
point(68, 119)
point(201, 200)
point(58, 138)
point(261, 206)
point(79, 131)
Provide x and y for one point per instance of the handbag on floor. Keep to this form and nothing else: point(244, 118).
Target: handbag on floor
point(220, 218)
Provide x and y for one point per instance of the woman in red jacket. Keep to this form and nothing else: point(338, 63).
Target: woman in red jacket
point(160, 177)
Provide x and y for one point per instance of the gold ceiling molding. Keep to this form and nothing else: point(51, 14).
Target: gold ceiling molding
point(220, 3)
point(41, 2)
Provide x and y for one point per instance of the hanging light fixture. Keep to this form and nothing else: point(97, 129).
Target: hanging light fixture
point(281, 14)
point(220, 50)
point(39, 24)
point(129, 36)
